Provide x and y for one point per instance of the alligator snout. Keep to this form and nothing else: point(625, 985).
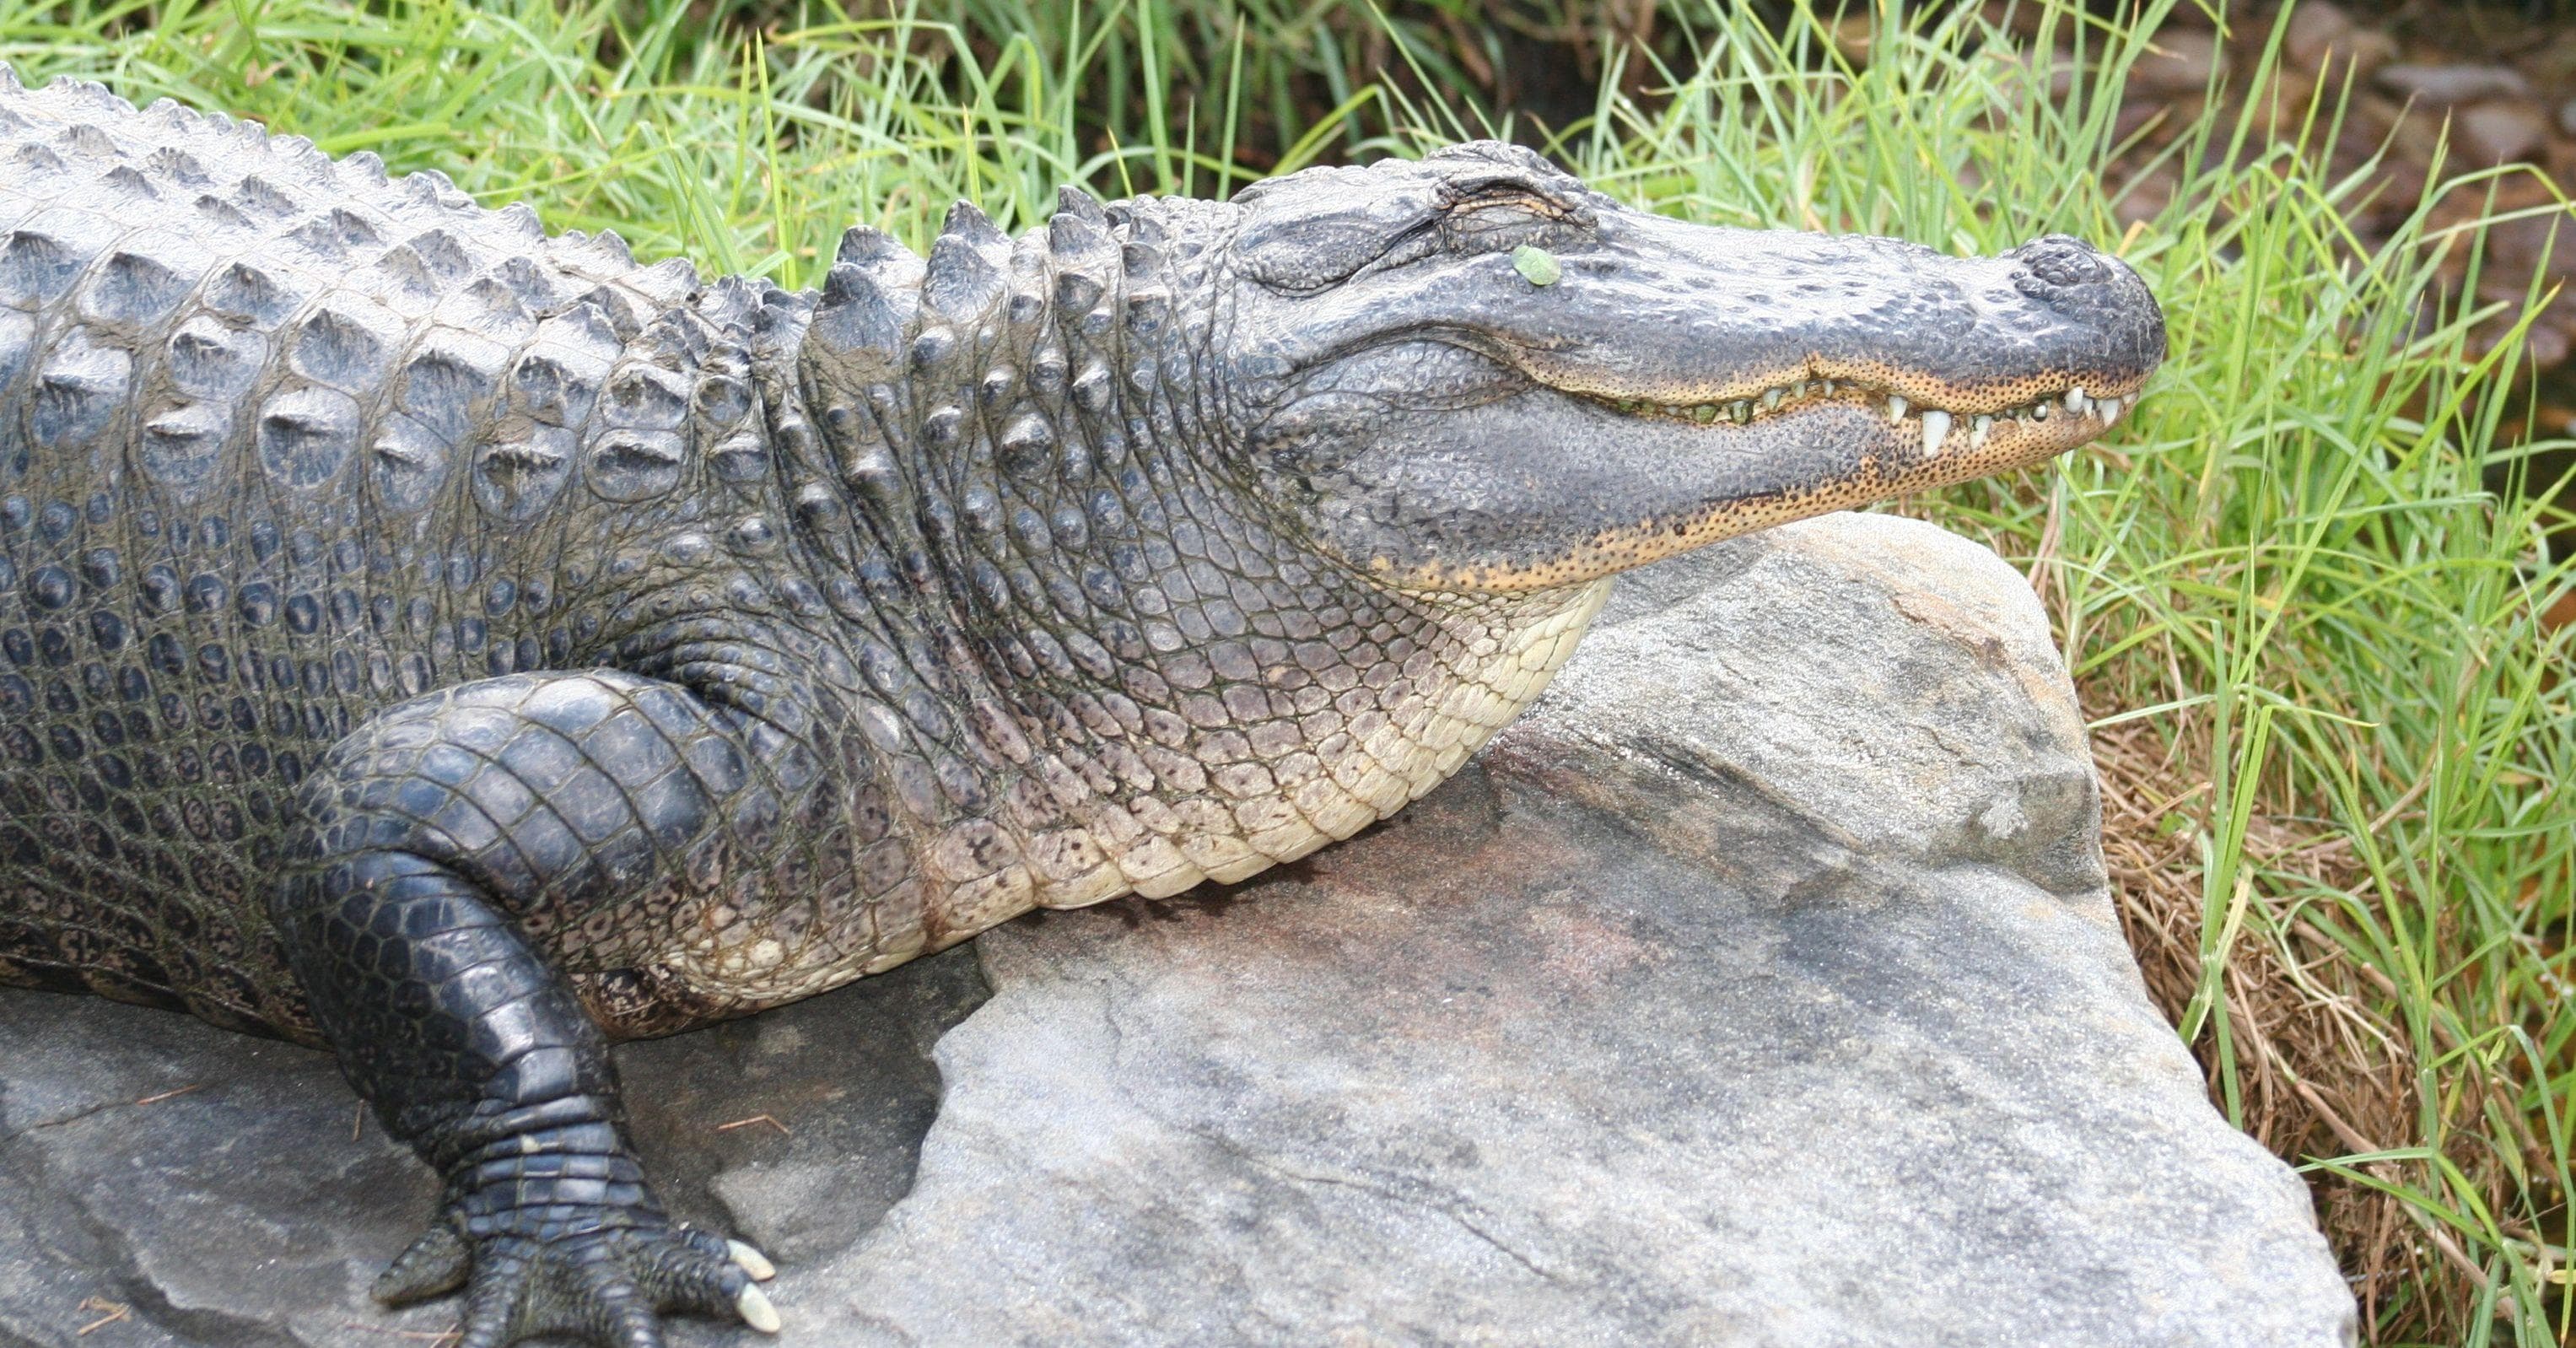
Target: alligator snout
point(2094, 290)
point(1463, 421)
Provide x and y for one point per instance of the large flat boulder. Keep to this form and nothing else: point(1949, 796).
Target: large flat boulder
point(1761, 987)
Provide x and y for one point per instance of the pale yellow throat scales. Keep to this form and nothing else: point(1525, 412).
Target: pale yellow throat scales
point(1335, 774)
point(1221, 805)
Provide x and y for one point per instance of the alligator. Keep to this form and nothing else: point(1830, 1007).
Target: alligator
point(460, 647)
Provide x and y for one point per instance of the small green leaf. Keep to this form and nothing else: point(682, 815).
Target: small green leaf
point(1536, 265)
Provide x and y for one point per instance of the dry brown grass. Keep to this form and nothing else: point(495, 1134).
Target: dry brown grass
point(2322, 1071)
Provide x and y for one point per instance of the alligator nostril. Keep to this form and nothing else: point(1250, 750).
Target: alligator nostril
point(2063, 261)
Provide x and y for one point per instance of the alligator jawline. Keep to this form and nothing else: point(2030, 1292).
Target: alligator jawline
point(1809, 395)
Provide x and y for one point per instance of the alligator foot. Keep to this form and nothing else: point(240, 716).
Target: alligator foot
point(604, 1285)
point(400, 910)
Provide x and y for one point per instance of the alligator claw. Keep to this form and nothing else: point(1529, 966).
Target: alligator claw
point(753, 1261)
point(436, 1263)
point(601, 1286)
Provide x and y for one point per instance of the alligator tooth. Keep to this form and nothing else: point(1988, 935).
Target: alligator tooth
point(756, 1310)
point(2075, 400)
point(1741, 410)
point(753, 1261)
point(2110, 410)
point(1979, 427)
point(1770, 399)
point(1895, 408)
point(1825, 387)
point(2039, 410)
point(1704, 413)
point(1936, 428)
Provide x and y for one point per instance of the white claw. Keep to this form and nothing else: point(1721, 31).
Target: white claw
point(1936, 428)
point(756, 1310)
point(1895, 408)
point(753, 1261)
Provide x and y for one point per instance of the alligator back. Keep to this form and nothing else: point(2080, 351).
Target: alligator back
point(281, 440)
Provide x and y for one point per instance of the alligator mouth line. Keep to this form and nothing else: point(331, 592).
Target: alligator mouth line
point(1935, 426)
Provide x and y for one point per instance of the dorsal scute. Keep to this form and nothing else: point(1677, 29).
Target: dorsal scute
point(250, 313)
point(1086, 261)
point(869, 303)
point(231, 175)
point(967, 223)
point(1074, 203)
point(965, 279)
point(861, 321)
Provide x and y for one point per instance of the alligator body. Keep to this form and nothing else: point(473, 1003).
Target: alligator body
point(461, 647)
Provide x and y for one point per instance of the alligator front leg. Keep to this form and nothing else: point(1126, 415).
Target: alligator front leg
point(424, 835)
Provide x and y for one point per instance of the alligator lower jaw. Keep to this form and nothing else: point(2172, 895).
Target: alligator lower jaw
point(2054, 421)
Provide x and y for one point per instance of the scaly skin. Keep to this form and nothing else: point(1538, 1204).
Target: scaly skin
point(461, 648)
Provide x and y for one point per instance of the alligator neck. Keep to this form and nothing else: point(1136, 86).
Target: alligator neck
point(1155, 685)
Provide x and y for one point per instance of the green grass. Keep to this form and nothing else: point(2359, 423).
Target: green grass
point(2334, 720)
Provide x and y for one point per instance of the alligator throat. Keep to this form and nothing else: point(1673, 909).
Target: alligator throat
point(1144, 684)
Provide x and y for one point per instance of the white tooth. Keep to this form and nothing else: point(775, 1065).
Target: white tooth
point(1978, 429)
point(756, 1310)
point(2110, 408)
point(1895, 408)
point(2075, 400)
point(1770, 399)
point(1936, 428)
point(753, 1261)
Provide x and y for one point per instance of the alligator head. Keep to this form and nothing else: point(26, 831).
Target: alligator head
point(1315, 489)
point(1474, 374)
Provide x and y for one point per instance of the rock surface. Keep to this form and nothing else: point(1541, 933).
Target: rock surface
point(1759, 988)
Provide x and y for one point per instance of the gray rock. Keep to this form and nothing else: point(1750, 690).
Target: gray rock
point(1760, 987)
point(2500, 133)
point(2452, 83)
point(2317, 27)
point(2324, 40)
point(257, 1207)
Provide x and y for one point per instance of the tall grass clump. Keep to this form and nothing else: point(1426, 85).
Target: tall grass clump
point(2336, 745)
point(2336, 749)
